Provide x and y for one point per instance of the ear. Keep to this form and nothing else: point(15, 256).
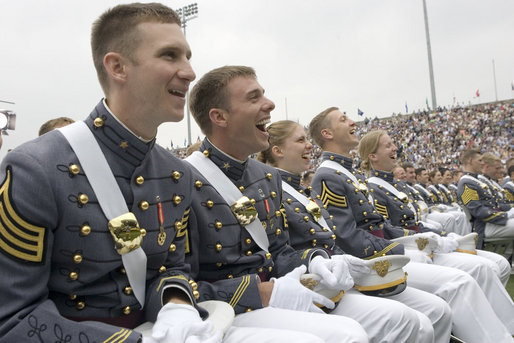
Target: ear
point(115, 67)
point(218, 117)
point(277, 151)
point(372, 157)
point(327, 134)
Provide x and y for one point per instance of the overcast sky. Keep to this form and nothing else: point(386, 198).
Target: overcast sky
point(308, 55)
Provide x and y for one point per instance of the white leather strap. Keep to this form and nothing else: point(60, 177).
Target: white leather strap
point(381, 182)
point(109, 196)
point(229, 192)
point(337, 166)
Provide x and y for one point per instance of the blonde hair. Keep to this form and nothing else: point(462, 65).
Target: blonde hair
point(369, 145)
point(490, 159)
point(318, 123)
point(278, 133)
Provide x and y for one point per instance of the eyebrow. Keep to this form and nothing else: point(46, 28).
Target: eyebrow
point(253, 92)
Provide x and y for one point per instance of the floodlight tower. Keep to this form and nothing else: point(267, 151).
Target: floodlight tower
point(187, 13)
point(429, 52)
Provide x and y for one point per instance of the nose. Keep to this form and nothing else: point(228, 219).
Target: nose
point(308, 145)
point(395, 148)
point(268, 105)
point(186, 71)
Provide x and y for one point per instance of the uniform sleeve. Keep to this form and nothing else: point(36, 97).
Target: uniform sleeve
point(28, 218)
point(352, 239)
point(479, 206)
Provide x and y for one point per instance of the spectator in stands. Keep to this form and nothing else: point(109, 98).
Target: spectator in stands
point(54, 124)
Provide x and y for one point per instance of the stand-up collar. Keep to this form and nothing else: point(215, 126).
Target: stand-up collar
point(343, 160)
point(231, 167)
point(387, 176)
point(117, 138)
point(291, 179)
point(471, 174)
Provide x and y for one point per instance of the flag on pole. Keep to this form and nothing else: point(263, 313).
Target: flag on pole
point(426, 101)
point(406, 108)
point(359, 112)
point(477, 93)
point(512, 85)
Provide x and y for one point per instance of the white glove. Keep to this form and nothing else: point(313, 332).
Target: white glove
point(356, 266)
point(334, 273)
point(510, 213)
point(453, 235)
point(289, 293)
point(446, 244)
point(182, 323)
point(418, 256)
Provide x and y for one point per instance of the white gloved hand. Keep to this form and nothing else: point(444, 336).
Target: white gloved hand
point(356, 266)
point(446, 244)
point(510, 213)
point(453, 235)
point(182, 323)
point(289, 293)
point(334, 273)
point(418, 256)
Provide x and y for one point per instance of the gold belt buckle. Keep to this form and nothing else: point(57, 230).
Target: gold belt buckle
point(244, 211)
point(314, 209)
point(126, 233)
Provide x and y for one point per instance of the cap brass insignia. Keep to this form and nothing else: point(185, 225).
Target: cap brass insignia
point(422, 243)
point(382, 267)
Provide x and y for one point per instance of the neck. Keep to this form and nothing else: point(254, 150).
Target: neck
point(227, 148)
point(338, 149)
point(129, 116)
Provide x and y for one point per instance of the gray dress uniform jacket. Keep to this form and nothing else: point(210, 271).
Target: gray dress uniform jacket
point(305, 231)
point(499, 193)
point(57, 255)
point(481, 204)
point(361, 230)
point(223, 254)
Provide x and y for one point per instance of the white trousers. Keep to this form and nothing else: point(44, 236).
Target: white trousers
point(503, 266)
point(328, 328)
point(500, 231)
point(252, 335)
point(483, 271)
point(473, 318)
point(445, 219)
point(462, 223)
point(387, 320)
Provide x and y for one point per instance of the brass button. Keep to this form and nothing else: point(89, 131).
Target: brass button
point(98, 122)
point(324, 229)
point(177, 199)
point(333, 237)
point(83, 199)
point(143, 205)
point(198, 184)
point(306, 218)
point(332, 157)
point(80, 305)
point(269, 176)
point(127, 290)
point(273, 194)
point(248, 309)
point(176, 175)
point(219, 264)
point(219, 247)
point(85, 230)
point(252, 201)
point(143, 232)
point(364, 213)
point(126, 310)
point(297, 209)
point(278, 213)
point(123, 271)
point(259, 270)
point(74, 276)
point(178, 225)
point(206, 153)
point(241, 188)
point(312, 231)
point(331, 217)
point(289, 201)
point(74, 169)
point(140, 180)
point(314, 242)
point(193, 284)
point(209, 203)
point(230, 276)
point(248, 253)
point(172, 248)
point(218, 225)
point(248, 241)
point(162, 269)
point(77, 258)
point(268, 255)
point(72, 296)
point(278, 232)
point(270, 269)
point(196, 294)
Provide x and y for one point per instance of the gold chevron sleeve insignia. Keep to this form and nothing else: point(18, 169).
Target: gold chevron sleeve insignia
point(181, 227)
point(330, 198)
point(468, 195)
point(509, 195)
point(383, 251)
point(18, 238)
point(493, 216)
point(238, 294)
point(382, 210)
point(118, 337)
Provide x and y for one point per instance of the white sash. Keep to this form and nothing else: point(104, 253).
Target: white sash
point(229, 192)
point(390, 188)
point(109, 196)
point(303, 200)
point(337, 166)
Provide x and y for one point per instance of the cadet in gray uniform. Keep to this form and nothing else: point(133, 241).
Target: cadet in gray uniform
point(487, 217)
point(256, 271)
point(63, 279)
point(345, 195)
point(383, 319)
point(378, 154)
point(491, 172)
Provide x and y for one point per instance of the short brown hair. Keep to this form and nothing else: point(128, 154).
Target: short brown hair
point(54, 124)
point(211, 92)
point(489, 158)
point(116, 31)
point(468, 154)
point(369, 145)
point(278, 132)
point(318, 123)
